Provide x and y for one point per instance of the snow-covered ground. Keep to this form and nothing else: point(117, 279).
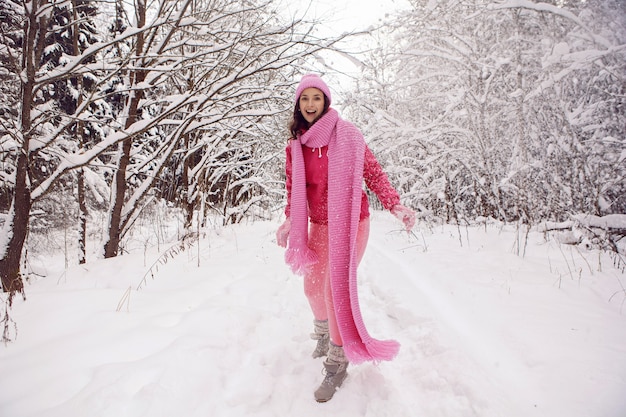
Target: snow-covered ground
point(222, 329)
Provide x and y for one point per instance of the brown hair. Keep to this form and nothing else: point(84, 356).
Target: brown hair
point(298, 123)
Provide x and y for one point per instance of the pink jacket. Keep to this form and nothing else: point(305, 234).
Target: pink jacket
point(316, 165)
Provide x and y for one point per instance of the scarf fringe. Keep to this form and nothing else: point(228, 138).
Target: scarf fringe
point(374, 350)
point(300, 259)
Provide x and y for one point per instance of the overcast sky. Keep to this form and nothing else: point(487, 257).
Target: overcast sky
point(344, 15)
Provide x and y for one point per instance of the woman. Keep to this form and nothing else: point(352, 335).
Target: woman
point(326, 164)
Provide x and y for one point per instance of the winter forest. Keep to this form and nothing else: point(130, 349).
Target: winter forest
point(113, 110)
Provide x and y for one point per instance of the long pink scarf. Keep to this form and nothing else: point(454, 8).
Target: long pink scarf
point(346, 152)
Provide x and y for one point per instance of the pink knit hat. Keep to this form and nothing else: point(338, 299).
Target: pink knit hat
point(312, 80)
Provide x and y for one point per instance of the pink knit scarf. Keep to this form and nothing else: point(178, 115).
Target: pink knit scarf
point(346, 152)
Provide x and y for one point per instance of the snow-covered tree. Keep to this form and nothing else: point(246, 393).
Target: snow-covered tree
point(72, 30)
point(507, 109)
point(203, 80)
point(51, 51)
point(191, 78)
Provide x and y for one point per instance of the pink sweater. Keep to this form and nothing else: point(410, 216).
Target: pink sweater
point(317, 183)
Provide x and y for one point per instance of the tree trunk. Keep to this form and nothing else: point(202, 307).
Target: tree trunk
point(18, 221)
point(115, 216)
point(82, 219)
point(10, 263)
point(111, 247)
point(80, 133)
point(188, 203)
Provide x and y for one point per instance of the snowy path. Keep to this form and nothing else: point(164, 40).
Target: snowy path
point(456, 361)
point(480, 341)
point(484, 333)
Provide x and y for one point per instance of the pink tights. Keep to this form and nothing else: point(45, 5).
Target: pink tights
point(317, 279)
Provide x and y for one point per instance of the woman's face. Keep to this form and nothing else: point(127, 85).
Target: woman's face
point(311, 104)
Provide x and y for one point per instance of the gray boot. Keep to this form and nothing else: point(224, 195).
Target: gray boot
point(321, 335)
point(336, 370)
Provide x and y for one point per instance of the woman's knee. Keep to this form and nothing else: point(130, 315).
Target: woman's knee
point(314, 286)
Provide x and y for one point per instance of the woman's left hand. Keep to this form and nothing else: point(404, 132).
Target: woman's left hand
point(282, 234)
point(405, 215)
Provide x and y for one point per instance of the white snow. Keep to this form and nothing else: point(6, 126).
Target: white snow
point(222, 329)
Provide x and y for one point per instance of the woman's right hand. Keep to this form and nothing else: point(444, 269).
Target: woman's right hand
point(282, 234)
point(405, 215)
